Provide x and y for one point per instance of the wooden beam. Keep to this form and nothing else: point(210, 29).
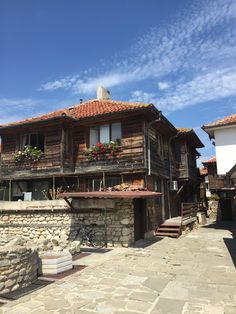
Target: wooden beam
point(10, 186)
point(53, 188)
point(62, 149)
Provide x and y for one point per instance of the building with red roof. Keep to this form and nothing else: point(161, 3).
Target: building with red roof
point(96, 145)
point(222, 168)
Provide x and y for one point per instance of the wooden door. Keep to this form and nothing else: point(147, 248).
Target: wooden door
point(139, 219)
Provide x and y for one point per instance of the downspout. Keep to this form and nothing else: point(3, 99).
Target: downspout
point(148, 140)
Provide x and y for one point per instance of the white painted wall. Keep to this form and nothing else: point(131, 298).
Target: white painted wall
point(225, 144)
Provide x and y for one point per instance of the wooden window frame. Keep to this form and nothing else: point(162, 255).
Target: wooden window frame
point(21, 146)
point(110, 131)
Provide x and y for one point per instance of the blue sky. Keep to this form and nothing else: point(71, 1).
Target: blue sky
point(179, 55)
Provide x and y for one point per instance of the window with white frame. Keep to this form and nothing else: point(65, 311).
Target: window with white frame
point(104, 133)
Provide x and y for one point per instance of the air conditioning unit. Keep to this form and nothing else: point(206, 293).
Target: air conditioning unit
point(174, 185)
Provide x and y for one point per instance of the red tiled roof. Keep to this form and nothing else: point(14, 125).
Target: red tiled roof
point(220, 122)
point(184, 130)
point(210, 161)
point(190, 133)
point(90, 108)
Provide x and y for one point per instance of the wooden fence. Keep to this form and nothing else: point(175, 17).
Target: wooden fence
point(189, 211)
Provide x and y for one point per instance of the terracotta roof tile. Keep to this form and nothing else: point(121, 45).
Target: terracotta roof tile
point(184, 130)
point(100, 107)
point(191, 134)
point(225, 121)
point(90, 108)
point(210, 161)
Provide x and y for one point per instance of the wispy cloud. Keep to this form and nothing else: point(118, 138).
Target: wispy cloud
point(189, 61)
point(163, 85)
point(203, 88)
point(13, 109)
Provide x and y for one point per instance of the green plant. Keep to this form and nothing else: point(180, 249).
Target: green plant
point(29, 153)
point(107, 150)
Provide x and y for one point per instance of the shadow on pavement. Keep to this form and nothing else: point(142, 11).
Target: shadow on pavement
point(143, 243)
point(223, 225)
point(230, 243)
point(231, 246)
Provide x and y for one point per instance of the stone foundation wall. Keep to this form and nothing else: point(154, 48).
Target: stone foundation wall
point(18, 266)
point(117, 221)
point(213, 211)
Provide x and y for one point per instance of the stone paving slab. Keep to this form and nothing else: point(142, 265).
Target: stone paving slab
point(194, 274)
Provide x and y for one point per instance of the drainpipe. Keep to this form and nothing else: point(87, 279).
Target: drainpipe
point(148, 141)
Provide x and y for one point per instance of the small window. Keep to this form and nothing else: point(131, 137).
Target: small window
point(104, 133)
point(34, 140)
point(112, 181)
point(115, 131)
point(94, 185)
point(93, 136)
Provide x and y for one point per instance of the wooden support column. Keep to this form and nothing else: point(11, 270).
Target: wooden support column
point(62, 149)
point(10, 188)
point(53, 188)
point(104, 181)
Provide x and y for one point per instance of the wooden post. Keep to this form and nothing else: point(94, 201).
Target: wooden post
point(53, 188)
point(10, 186)
point(62, 149)
point(105, 222)
point(104, 181)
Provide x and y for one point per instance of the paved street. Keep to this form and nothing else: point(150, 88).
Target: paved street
point(193, 274)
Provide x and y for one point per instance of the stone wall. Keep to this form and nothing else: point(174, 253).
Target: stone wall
point(18, 265)
point(117, 221)
point(213, 211)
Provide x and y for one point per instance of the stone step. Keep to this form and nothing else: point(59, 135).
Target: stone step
point(167, 234)
point(163, 229)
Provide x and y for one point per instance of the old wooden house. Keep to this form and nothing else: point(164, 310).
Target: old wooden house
point(96, 145)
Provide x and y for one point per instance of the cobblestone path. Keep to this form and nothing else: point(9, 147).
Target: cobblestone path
point(193, 274)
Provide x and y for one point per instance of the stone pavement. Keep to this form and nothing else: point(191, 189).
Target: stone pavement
point(192, 274)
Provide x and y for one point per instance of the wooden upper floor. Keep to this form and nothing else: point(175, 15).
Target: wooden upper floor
point(143, 143)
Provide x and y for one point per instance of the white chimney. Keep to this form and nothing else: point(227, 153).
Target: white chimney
point(103, 93)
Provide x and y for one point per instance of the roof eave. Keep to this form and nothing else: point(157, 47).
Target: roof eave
point(3, 128)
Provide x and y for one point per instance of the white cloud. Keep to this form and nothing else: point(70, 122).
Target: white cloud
point(163, 85)
point(13, 109)
point(141, 96)
point(211, 86)
point(192, 59)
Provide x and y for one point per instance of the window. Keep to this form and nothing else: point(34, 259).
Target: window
point(34, 140)
point(94, 185)
point(115, 131)
point(158, 188)
point(93, 136)
point(112, 181)
point(104, 133)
